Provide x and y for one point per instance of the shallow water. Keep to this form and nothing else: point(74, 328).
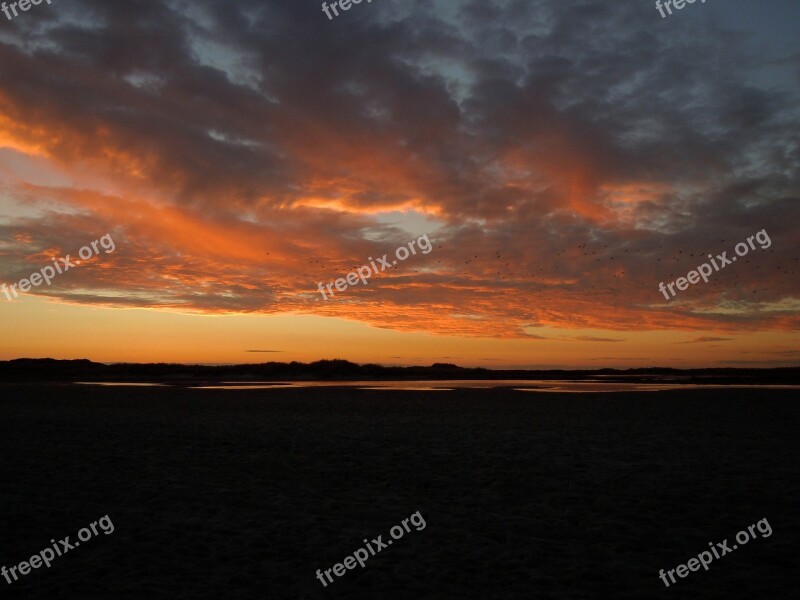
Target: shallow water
point(523, 385)
point(119, 384)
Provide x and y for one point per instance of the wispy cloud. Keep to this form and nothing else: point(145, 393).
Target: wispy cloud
point(706, 339)
point(592, 338)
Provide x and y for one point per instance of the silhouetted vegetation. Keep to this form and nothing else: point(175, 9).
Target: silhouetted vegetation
point(50, 370)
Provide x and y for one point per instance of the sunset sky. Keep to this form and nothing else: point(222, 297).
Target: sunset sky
point(564, 157)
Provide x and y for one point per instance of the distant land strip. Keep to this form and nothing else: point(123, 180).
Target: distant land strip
point(52, 370)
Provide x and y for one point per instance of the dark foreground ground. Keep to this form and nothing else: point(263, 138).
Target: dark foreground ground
point(221, 494)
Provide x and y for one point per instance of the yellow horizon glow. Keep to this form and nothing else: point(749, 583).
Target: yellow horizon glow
point(41, 328)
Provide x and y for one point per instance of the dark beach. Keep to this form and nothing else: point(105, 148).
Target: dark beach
point(245, 494)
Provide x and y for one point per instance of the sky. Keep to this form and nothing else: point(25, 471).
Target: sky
point(563, 157)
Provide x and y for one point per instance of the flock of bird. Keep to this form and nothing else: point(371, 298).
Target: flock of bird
point(603, 274)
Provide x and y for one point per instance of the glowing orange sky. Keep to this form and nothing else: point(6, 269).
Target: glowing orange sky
point(232, 190)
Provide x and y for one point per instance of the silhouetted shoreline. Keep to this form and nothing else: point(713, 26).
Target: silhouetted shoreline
point(51, 370)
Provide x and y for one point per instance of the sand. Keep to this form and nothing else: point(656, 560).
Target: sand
point(245, 494)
